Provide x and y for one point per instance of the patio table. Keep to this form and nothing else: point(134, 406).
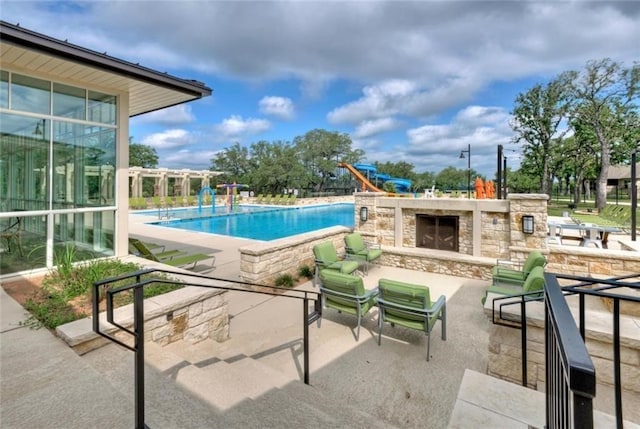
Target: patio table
point(590, 234)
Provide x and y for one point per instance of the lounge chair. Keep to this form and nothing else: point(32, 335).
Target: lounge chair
point(173, 258)
point(533, 283)
point(326, 258)
point(507, 272)
point(346, 293)
point(410, 305)
point(358, 249)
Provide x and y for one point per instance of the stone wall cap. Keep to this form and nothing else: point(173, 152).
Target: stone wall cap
point(528, 196)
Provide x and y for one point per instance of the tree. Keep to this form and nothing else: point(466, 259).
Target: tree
point(234, 161)
point(538, 114)
point(321, 151)
point(453, 178)
point(141, 155)
point(606, 94)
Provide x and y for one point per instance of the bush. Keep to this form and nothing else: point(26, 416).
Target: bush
point(284, 280)
point(305, 271)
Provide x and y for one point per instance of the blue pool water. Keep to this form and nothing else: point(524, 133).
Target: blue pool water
point(264, 224)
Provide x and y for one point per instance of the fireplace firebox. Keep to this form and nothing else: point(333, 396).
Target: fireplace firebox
point(437, 232)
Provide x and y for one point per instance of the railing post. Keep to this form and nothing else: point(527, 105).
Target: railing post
point(305, 339)
point(523, 322)
point(138, 323)
point(616, 362)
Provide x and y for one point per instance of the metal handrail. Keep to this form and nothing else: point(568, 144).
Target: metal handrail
point(570, 373)
point(584, 286)
point(137, 333)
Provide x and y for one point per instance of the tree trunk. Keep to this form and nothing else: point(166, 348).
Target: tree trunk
point(605, 162)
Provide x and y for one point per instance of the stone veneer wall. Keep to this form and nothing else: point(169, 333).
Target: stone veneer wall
point(262, 263)
point(192, 314)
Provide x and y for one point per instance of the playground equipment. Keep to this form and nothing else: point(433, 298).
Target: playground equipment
point(364, 173)
point(232, 190)
point(213, 198)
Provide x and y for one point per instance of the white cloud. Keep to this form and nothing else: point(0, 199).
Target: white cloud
point(237, 127)
point(373, 127)
point(185, 158)
point(168, 139)
point(280, 107)
point(171, 116)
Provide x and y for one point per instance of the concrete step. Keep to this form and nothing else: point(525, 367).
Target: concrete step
point(485, 401)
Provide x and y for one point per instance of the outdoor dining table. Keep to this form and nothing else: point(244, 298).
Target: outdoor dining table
point(589, 234)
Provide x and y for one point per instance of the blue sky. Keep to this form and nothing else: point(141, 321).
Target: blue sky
point(408, 81)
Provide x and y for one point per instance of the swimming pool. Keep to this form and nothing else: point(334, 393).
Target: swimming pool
point(266, 224)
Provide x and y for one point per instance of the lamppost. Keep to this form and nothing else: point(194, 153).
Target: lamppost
point(468, 152)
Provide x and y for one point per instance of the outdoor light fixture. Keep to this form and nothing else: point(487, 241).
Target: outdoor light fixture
point(364, 214)
point(468, 152)
point(527, 224)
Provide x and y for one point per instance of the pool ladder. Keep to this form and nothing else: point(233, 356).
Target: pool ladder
point(163, 213)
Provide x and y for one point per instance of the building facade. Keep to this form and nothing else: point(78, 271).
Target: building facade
point(64, 134)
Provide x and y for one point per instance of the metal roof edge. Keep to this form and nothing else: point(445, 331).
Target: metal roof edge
point(17, 35)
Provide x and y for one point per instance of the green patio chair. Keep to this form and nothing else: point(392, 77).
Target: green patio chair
point(410, 305)
point(357, 248)
point(326, 258)
point(346, 293)
point(533, 283)
point(507, 272)
point(174, 258)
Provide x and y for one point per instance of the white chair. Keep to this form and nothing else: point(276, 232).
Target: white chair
point(430, 193)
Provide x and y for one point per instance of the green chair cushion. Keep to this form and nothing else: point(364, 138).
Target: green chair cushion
point(346, 284)
point(408, 295)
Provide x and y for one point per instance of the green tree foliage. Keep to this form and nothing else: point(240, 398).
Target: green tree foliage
point(234, 161)
point(321, 151)
point(141, 155)
point(451, 178)
point(538, 114)
point(606, 97)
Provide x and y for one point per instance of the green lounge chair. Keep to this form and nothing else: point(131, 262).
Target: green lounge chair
point(410, 305)
point(346, 293)
point(533, 283)
point(358, 249)
point(326, 258)
point(506, 272)
point(174, 258)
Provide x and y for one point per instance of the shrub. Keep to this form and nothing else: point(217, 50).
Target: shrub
point(63, 291)
point(284, 280)
point(305, 271)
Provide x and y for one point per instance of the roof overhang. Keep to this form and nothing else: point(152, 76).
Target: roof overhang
point(148, 89)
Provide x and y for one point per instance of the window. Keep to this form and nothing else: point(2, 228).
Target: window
point(102, 108)
point(30, 94)
point(69, 101)
point(4, 89)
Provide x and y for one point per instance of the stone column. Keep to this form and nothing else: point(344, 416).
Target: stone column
point(528, 204)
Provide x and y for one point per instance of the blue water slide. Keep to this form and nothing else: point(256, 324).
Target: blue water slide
point(370, 170)
point(402, 185)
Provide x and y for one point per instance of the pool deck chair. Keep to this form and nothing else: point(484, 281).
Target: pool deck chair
point(410, 305)
point(346, 293)
point(326, 258)
point(180, 259)
point(506, 272)
point(358, 249)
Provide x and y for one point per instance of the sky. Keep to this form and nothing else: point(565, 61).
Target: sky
point(413, 81)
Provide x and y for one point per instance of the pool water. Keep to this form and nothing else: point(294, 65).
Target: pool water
point(266, 224)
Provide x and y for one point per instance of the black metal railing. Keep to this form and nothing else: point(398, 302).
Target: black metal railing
point(520, 299)
point(104, 289)
point(570, 374)
point(581, 286)
point(610, 289)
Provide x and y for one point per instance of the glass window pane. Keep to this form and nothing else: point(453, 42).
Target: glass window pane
point(30, 94)
point(84, 165)
point(4, 89)
point(69, 101)
point(25, 248)
point(90, 234)
point(102, 108)
point(24, 163)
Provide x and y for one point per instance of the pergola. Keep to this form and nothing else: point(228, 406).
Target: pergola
point(182, 186)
